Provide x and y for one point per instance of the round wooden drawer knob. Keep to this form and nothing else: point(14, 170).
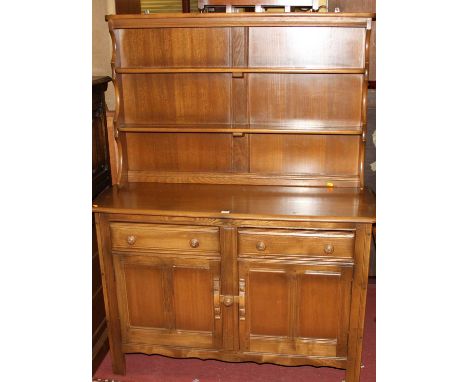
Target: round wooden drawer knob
point(328, 249)
point(131, 240)
point(194, 243)
point(261, 246)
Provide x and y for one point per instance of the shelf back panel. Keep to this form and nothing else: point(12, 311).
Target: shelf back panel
point(305, 99)
point(326, 47)
point(175, 47)
point(186, 152)
point(182, 98)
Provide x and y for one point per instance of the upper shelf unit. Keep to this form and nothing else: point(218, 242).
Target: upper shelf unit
point(259, 97)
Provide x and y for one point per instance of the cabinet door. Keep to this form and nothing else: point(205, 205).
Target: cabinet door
point(294, 309)
point(168, 300)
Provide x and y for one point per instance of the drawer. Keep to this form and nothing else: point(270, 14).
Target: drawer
point(296, 243)
point(164, 237)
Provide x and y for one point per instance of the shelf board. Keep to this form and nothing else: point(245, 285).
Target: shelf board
point(153, 70)
point(245, 129)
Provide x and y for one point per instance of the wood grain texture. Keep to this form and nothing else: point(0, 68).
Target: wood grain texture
point(229, 286)
point(239, 71)
point(162, 47)
point(177, 98)
point(263, 179)
point(358, 301)
point(194, 20)
point(145, 299)
point(238, 129)
point(155, 237)
point(295, 243)
point(312, 155)
point(308, 305)
point(260, 202)
point(166, 299)
point(183, 152)
point(110, 295)
point(326, 47)
point(193, 298)
point(305, 100)
point(238, 227)
point(258, 79)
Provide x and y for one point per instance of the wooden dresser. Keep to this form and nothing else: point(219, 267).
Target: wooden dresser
point(239, 228)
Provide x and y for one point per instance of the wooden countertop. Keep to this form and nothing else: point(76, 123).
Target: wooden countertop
point(242, 202)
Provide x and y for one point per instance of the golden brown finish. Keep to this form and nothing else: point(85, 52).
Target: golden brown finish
point(308, 99)
point(295, 243)
point(240, 71)
point(164, 238)
point(326, 48)
point(240, 202)
point(309, 154)
point(250, 74)
point(243, 129)
point(308, 305)
point(305, 180)
point(238, 226)
point(175, 152)
point(159, 47)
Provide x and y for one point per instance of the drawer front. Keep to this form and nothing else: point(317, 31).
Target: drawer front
point(296, 243)
point(156, 237)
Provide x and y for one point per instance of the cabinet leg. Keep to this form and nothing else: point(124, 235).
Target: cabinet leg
point(353, 371)
point(116, 353)
point(118, 362)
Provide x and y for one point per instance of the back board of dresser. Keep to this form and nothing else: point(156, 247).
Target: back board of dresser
point(276, 99)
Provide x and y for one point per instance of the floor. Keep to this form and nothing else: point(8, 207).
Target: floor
point(144, 368)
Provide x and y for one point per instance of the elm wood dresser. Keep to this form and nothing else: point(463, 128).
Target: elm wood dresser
point(239, 226)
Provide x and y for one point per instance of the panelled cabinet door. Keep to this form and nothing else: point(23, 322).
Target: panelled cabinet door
point(294, 309)
point(168, 300)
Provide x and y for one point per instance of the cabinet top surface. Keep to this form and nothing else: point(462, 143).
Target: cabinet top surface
point(239, 202)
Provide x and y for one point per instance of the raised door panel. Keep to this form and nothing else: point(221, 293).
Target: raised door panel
point(294, 309)
point(167, 300)
point(175, 47)
point(268, 302)
point(326, 47)
point(193, 298)
point(145, 296)
point(177, 98)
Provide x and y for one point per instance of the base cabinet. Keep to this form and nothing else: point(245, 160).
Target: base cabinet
point(232, 292)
